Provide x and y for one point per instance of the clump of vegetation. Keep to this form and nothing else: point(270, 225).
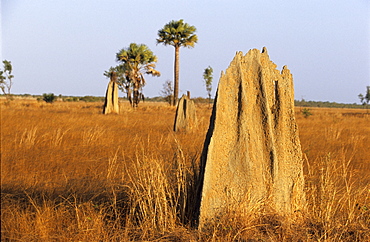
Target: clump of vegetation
point(49, 98)
point(71, 99)
point(6, 77)
point(306, 112)
point(135, 61)
point(365, 99)
point(91, 99)
point(320, 104)
point(208, 77)
point(167, 92)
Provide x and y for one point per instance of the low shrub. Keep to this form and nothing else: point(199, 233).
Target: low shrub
point(49, 98)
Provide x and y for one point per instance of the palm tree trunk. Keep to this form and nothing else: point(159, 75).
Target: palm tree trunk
point(177, 74)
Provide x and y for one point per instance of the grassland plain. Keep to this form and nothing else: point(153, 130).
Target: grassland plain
point(69, 173)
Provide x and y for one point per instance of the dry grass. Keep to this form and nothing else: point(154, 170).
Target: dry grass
point(69, 173)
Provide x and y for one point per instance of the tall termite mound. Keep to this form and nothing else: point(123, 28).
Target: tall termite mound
point(252, 153)
point(186, 117)
point(111, 96)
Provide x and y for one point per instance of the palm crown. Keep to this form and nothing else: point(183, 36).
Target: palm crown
point(136, 61)
point(177, 33)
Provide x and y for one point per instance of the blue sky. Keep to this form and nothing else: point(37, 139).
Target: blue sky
point(64, 46)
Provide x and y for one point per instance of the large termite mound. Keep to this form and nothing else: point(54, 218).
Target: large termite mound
point(111, 96)
point(186, 117)
point(252, 153)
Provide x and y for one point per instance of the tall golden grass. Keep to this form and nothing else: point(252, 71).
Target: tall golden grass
point(69, 173)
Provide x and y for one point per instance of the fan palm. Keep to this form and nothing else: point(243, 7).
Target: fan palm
point(177, 34)
point(136, 60)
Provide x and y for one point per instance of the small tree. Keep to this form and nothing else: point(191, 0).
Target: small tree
point(306, 112)
point(365, 99)
point(6, 77)
point(208, 78)
point(49, 98)
point(167, 92)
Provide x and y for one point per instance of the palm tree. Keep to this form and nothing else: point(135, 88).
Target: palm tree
point(136, 60)
point(177, 34)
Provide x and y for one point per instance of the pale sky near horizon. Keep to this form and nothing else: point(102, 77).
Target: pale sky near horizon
point(64, 47)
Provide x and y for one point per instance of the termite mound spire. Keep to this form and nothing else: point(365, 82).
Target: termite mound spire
point(111, 97)
point(252, 153)
point(186, 118)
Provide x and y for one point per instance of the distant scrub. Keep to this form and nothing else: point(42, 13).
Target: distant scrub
point(92, 99)
point(319, 104)
point(70, 99)
point(297, 103)
point(163, 99)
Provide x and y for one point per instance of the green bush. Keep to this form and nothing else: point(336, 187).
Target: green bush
point(49, 98)
point(306, 112)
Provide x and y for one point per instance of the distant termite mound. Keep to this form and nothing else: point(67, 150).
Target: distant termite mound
point(252, 153)
point(186, 117)
point(111, 96)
